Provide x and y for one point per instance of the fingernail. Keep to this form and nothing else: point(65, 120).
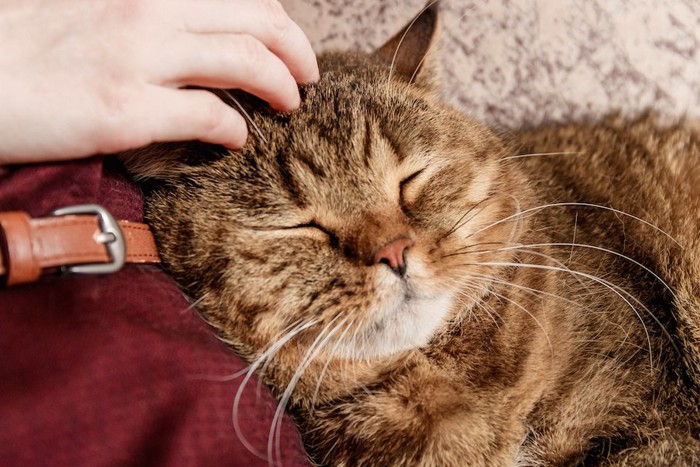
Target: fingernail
point(314, 77)
point(297, 99)
point(293, 103)
point(239, 142)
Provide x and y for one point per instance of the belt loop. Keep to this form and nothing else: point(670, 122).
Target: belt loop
point(21, 263)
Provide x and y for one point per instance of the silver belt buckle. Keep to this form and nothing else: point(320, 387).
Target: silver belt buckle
point(110, 235)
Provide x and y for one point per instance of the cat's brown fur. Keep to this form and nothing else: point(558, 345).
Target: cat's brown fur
point(520, 333)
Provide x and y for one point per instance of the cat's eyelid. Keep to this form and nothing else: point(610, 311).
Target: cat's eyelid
point(406, 185)
point(304, 225)
point(310, 225)
point(411, 186)
point(332, 237)
point(411, 177)
point(281, 228)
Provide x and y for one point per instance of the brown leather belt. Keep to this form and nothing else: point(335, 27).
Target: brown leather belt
point(79, 239)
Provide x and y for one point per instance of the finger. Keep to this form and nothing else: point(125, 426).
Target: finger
point(265, 20)
point(188, 114)
point(230, 61)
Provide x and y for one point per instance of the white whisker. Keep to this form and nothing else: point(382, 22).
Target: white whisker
point(249, 374)
point(245, 114)
point(588, 205)
point(195, 303)
point(530, 290)
point(573, 238)
point(539, 324)
point(617, 290)
point(329, 358)
point(403, 37)
point(420, 63)
point(314, 349)
point(597, 248)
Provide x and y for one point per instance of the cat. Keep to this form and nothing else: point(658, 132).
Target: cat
point(418, 289)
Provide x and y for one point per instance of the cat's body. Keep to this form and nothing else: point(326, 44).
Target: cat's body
point(432, 299)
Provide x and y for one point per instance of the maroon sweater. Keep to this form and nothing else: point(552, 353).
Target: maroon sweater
point(116, 369)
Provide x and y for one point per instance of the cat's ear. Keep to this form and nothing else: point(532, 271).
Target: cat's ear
point(411, 53)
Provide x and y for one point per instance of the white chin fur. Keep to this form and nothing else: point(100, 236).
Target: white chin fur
point(402, 325)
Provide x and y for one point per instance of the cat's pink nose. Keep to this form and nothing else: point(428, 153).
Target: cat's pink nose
point(393, 254)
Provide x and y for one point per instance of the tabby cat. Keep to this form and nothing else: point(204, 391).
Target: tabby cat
point(419, 290)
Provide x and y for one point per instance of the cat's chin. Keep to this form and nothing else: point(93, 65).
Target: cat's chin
point(407, 323)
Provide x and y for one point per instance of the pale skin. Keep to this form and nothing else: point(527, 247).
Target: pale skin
point(85, 77)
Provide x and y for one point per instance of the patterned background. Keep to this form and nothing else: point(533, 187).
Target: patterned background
point(521, 62)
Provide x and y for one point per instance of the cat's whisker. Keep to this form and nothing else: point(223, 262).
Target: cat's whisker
point(195, 303)
point(249, 374)
point(472, 284)
point(346, 357)
point(617, 290)
point(245, 114)
point(309, 360)
point(358, 335)
point(541, 255)
point(526, 247)
point(528, 312)
point(530, 290)
point(329, 359)
point(474, 300)
point(577, 204)
point(420, 63)
point(516, 215)
point(358, 328)
point(266, 357)
point(490, 312)
point(275, 427)
point(519, 220)
point(403, 37)
point(463, 219)
point(460, 251)
point(466, 306)
point(312, 352)
point(573, 238)
point(418, 67)
point(593, 247)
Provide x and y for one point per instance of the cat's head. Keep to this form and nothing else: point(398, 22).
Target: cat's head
point(355, 221)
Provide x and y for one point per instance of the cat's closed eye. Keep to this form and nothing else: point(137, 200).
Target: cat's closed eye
point(312, 227)
point(409, 187)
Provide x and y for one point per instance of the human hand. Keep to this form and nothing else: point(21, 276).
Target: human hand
point(80, 77)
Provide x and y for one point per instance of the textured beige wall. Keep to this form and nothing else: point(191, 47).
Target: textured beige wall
point(515, 62)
